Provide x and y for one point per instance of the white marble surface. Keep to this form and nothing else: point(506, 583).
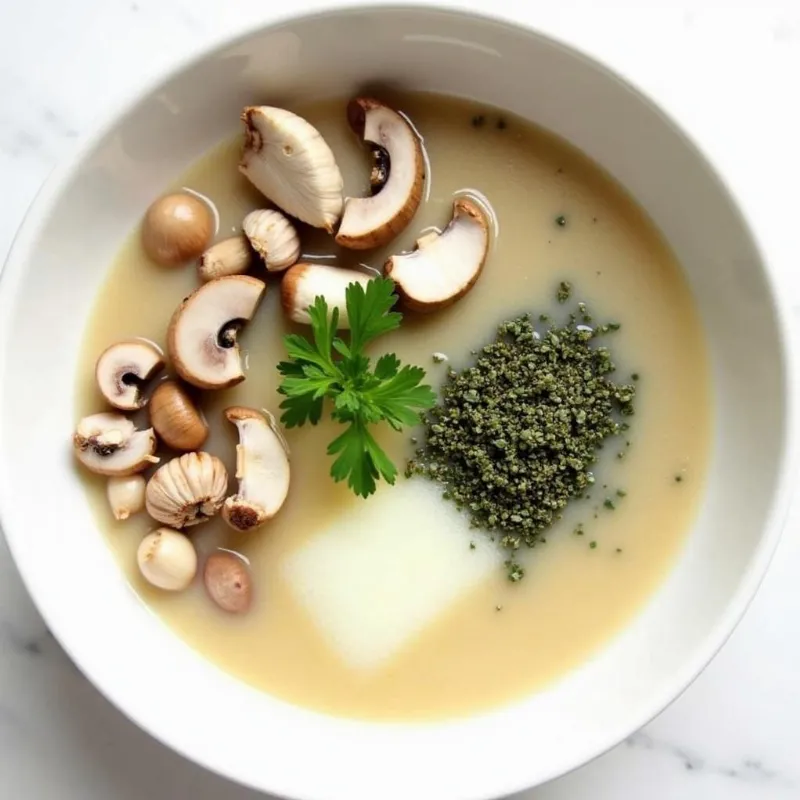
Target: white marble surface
point(731, 72)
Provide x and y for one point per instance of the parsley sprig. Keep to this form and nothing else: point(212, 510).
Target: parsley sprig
point(326, 366)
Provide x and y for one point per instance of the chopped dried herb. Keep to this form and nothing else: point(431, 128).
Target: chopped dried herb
point(561, 220)
point(515, 435)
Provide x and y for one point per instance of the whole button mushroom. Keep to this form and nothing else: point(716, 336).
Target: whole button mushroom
point(167, 560)
point(187, 490)
point(176, 419)
point(227, 581)
point(177, 228)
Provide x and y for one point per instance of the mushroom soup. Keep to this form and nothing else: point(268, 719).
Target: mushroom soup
point(419, 599)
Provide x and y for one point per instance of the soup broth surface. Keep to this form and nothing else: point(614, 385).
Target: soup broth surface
point(485, 641)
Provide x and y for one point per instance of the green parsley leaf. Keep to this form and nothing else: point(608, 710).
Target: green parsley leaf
point(324, 366)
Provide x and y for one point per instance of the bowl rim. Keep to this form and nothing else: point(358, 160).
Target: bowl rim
point(39, 211)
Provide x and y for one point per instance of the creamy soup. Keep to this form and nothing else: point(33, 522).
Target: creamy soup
point(380, 608)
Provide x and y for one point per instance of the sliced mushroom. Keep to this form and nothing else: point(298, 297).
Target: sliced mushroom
point(187, 490)
point(202, 334)
point(289, 162)
point(262, 468)
point(231, 256)
point(109, 444)
point(124, 369)
point(304, 282)
point(176, 229)
point(177, 420)
point(273, 237)
point(444, 266)
point(398, 174)
point(125, 495)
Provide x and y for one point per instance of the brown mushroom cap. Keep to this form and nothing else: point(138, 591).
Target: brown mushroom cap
point(176, 229)
point(124, 368)
point(397, 178)
point(201, 340)
point(444, 266)
point(176, 418)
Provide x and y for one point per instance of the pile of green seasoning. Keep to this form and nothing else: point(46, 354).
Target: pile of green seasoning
point(515, 435)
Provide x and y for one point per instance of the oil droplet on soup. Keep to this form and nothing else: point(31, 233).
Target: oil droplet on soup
point(381, 609)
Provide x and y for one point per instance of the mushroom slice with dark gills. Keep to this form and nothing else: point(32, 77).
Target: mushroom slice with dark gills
point(124, 369)
point(202, 337)
point(396, 180)
point(109, 444)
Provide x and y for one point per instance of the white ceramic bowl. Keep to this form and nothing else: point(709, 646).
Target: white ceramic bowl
point(53, 275)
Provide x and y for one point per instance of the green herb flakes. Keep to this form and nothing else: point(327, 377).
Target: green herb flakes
point(515, 435)
point(564, 291)
point(561, 220)
point(593, 545)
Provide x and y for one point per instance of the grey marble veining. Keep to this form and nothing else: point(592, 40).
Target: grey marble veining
point(733, 73)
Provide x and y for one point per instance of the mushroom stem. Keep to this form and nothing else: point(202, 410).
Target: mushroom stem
point(304, 282)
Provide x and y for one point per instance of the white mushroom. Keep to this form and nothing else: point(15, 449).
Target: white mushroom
point(109, 444)
point(262, 468)
point(398, 174)
point(231, 256)
point(444, 266)
point(167, 560)
point(304, 282)
point(289, 162)
point(125, 495)
point(202, 334)
point(187, 490)
point(123, 370)
point(273, 237)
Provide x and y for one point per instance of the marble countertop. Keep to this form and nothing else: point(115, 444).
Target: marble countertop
point(730, 72)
